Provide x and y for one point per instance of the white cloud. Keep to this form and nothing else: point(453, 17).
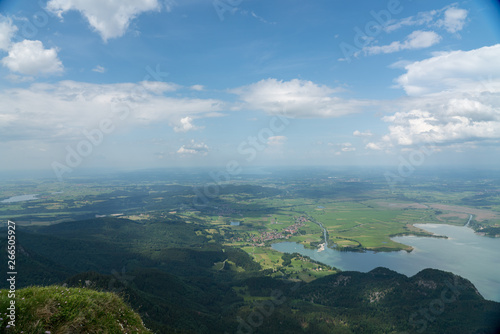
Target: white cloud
point(373, 146)
point(61, 111)
point(454, 100)
point(451, 18)
point(456, 70)
point(416, 40)
point(400, 64)
point(185, 125)
point(194, 148)
point(347, 147)
point(296, 98)
point(7, 30)
point(99, 69)
point(169, 4)
point(31, 58)
point(26, 57)
point(261, 19)
point(159, 87)
point(197, 87)
point(454, 19)
point(421, 39)
point(19, 78)
point(276, 141)
point(422, 18)
point(343, 147)
point(458, 121)
point(110, 18)
point(358, 133)
point(275, 148)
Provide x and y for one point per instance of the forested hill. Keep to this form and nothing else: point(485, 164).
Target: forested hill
point(180, 281)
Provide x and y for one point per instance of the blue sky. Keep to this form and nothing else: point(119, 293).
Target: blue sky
point(141, 84)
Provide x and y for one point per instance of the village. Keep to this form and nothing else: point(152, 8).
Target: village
point(286, 233)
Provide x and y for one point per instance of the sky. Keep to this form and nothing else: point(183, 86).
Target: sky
point(137, 84)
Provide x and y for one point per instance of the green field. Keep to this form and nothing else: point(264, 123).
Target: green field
point(358, 213)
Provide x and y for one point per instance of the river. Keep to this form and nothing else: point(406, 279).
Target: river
point(464, 253)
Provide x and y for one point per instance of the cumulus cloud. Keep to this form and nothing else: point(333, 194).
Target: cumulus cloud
point(454, 19)
point(7, 31)
point(31, 58)
point(456, 70)
point(109, 18)
point(61, 111)
point(185, 125)
point(457, 120)
point(416, 40)
point(193, 148)
point(373, 146)
point(26, 57)
point(454, 99)
point(296, 98)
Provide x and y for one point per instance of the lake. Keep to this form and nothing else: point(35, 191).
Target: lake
point(20, 198)
point(464, 253)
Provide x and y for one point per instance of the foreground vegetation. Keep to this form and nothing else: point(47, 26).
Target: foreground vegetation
point(58, 309)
